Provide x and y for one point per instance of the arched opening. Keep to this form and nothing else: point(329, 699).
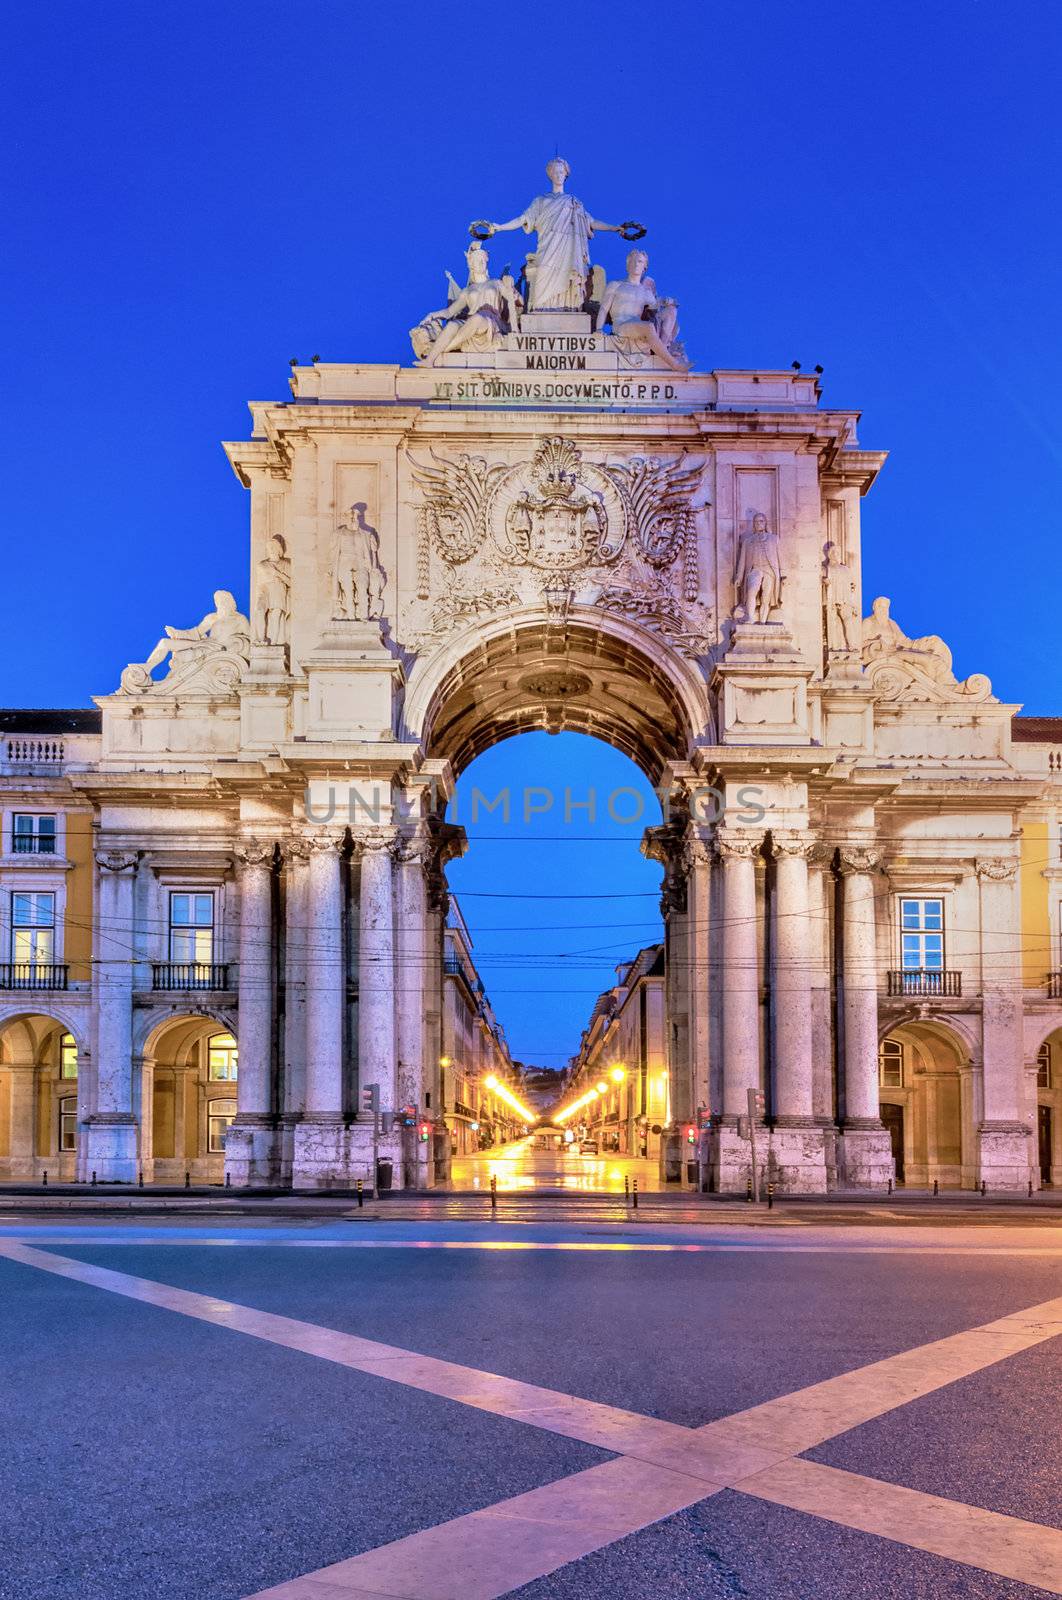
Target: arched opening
point(191, 1067)
point(39, 1110)
point(549, 910)
point(925, 1092)
point(1047, 1125)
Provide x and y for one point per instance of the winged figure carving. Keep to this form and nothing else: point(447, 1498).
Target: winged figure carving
point(659, 496)
point(456, 496)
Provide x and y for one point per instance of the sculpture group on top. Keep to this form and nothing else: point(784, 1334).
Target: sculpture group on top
point(557, 276)
point(209, 658)
point(906, 669)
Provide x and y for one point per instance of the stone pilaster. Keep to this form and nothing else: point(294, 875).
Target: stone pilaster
point(1003, 1136)
point(251, 1146)
point(797, 1145)
point(697, 860)
point(111, 1145)
point(867, 1155)
point(413, 989)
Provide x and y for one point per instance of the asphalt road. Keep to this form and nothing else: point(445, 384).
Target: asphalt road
point(149, 1453)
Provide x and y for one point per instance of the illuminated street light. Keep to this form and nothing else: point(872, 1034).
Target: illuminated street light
point(576, 1105)
point(618, 1073)
point(602, 1087)
point(499, 1088)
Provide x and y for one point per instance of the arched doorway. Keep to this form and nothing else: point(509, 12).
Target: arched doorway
point(39, 1111)
point(191, 1067)
point(926, 1098)
point(1047, 1124)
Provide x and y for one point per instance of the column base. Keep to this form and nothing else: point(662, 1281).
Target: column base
point(796, 1158)
point(864, 1158)
point(1003, 1156)
point(331, 1155)
point(111, 1147)
point(252, 1154)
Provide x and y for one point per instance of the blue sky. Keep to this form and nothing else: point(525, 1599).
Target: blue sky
point(197, 193)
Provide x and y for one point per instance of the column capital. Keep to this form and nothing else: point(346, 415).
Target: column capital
point(117, 861)
point(376, 841)
point(731, 845)
point(319, 842)
point(415, 849)
point(696, 852)
point(996, 869)
point(858, 859)
point(253, 852)
point(792, 842)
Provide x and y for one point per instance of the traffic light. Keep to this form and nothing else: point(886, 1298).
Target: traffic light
point(424, 1131)
point(370, 1098)
point(691, 1134)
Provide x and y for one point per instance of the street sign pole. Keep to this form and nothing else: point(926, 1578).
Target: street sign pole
point(755, 1106)
point(370, 1100)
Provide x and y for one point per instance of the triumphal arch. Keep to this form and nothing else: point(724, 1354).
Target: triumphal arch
point(549, 517)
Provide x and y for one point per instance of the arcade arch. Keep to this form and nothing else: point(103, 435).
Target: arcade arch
point(39, 1109)
point(190, 1074)
point(1047, 1111)
point(927, 1104)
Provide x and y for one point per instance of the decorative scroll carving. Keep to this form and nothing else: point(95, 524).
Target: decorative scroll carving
point(799, 845)
point(659, 496)
point(912, 670)
point(117, 861)
point(733, 846)
point(861, 859)
point(207, 659)
point(456, 497)
point(996, 869)
point(655, 607)
point(254, 853)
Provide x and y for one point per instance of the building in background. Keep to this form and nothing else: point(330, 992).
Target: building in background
point(476, 1074)
point(622, 1062)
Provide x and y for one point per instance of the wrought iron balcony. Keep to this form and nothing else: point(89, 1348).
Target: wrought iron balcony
point(173, 976)
point(33, 975)
point(33, 844)
point(926, 982)
point(1054, 985)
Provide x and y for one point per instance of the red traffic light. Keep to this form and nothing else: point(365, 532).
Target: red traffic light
point(424, 1130)
point(691, 1134)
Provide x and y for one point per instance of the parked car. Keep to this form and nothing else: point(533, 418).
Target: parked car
point(588, 1147)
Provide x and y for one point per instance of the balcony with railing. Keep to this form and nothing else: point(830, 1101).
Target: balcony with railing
point(932, 983)
point(177, 977)
point(33, 975)
point(32, 753)
point(33, 844)
point(1054, 985)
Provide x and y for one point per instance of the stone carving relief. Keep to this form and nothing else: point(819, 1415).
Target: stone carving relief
point(643, 324)
point(911, 670)
point(356, 577)
point(840, 604)
point(621, 536)
point(558, 270)
point(272, 606)
point(477, 317)
point(996, 869)
point(207, 659)
point(758, 575)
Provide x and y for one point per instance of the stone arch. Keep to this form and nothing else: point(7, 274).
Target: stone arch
point(1044, 1079)
point(931, 1113)
point(593, 673)
point(41, 1111)
point(178, 1093)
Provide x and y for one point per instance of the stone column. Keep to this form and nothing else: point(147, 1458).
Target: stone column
point(1006, 1148)
point(319, 1160)
point(296, 949)
point(697, 860)
point(412, 971)
point(737, 853)
point(867, 1154)
point(376, 967)
point(797, 1144)
point(111, 1145)
point(251, 1143)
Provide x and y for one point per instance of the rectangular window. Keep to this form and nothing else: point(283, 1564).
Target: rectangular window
point(221, 1058)
point(68, 1056)
point(33, 928)
point(33, 835)
point(922, 935)
point(1043, 1067)
point(220, 1114)
point(192, 928)
point(68, 1124)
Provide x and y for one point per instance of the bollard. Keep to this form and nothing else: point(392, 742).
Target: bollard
point(936, 1186)
point(748, 1190)
point(228, 1179)
point(770, 1197)
point(626, 1189)
point(634, 1194)
point(141, 1177)
point(361, 1194)
point(890, 1185)
point(46, 1177)
point(493, 1194)
point(187, 1179)
point(93, 1177)
point(984, 1188)
point(1030, 1188)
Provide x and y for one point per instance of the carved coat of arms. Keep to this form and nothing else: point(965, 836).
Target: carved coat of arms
point(557, 514)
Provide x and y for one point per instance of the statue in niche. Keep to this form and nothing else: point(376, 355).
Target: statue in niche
point(357, 578)
point(477, 317)
point(557, 271)
point(839, 603)
point(641, 320)
point(272, 608)
point(758, 573)
point(222, 640)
